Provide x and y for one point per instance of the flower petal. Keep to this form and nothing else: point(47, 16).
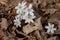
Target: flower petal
point(46, 27)
point(49, 24)
point(52, 25)
point(30, 6)
point(52, 31)
point(48, 31)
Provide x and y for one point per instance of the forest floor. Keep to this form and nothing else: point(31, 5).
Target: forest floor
point(46, 11)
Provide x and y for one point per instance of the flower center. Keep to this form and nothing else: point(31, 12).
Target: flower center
point(28, 10)
point(28, 17)
point(17, 22)
point(50, 28)
point(20, 7)
point(21, 14)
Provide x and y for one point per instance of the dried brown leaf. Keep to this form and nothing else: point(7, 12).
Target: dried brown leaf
point(57, 32)
point(57, 5)
point(33, 26)
point(49, 11)
point(13, 2)
point(37, 34)
point(38, 23)
point(29, 28)
point(45, 37)
point(1, 33)
point(3, 2)
point(4, 23)
point(52, 38)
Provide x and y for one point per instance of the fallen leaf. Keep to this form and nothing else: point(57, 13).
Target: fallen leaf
point(1, 33)
point(3, 2)
point(45, 37)
point(29, 28)
point(57, 5)
point(37, 34)
point(4, 23)
point(38, 23)
point(57, 32)
point(49, 11)
point(33, 26)
point(52, 38)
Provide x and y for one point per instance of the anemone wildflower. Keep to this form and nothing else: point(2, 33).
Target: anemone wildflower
point(17, 23)
point(50, 28)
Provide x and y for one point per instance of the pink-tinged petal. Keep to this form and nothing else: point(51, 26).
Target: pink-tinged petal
point(52, 25)
point(30, 6)
point(54, 29)
point(19, 4)
point(46, 27)
point(16, 7)
point(14, 23)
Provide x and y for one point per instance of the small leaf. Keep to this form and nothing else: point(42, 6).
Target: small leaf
point(29, 28)
point(57, 32)
point(33, 26)
point(52, 38)
point(4, 23)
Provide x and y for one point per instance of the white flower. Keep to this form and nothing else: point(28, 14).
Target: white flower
point(21, 14)
point(28, 18)
point(21, 6)
point(29, 10)
point(24, 13)
point(17, 23)
point(50, 28)
point(18, 17)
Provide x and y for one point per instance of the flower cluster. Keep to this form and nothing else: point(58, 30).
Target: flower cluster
point(23, 13)
point(50, 28)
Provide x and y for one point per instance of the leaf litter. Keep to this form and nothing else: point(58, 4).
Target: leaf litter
point(46, 11)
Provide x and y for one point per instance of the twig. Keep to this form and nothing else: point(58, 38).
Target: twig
point(22, 34)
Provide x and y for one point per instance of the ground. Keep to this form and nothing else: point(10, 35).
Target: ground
point(46, 11)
